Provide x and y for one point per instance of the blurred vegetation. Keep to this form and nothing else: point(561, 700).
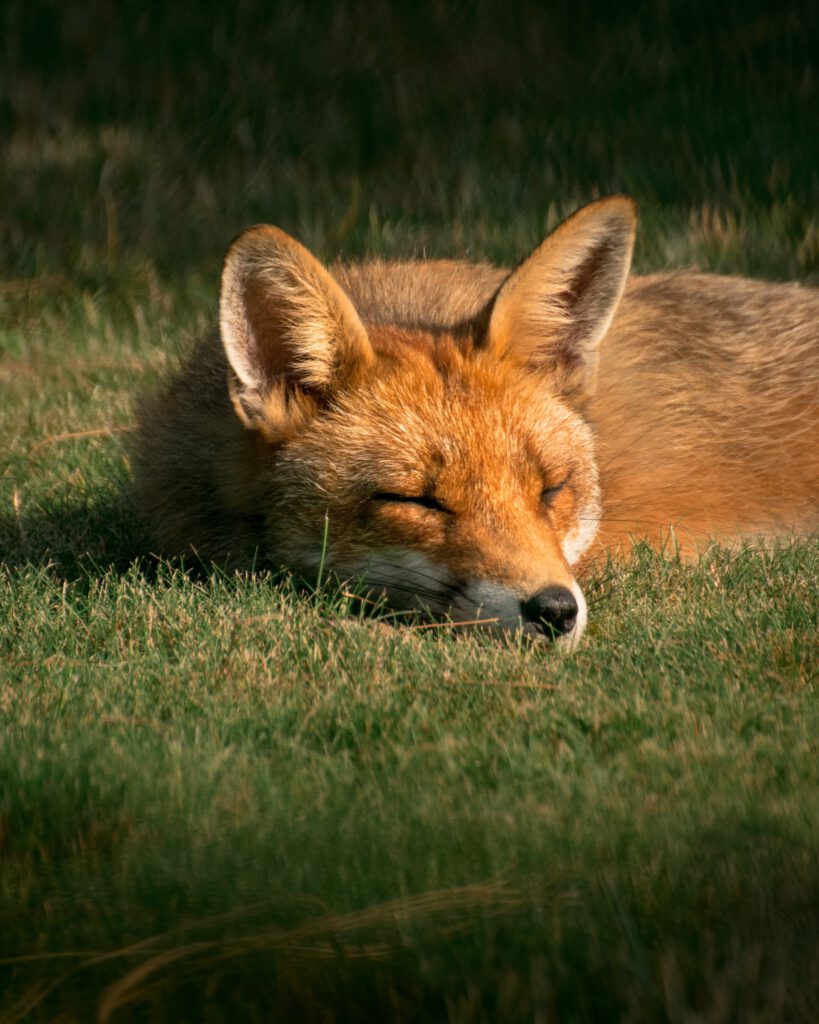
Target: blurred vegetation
point(158, 130)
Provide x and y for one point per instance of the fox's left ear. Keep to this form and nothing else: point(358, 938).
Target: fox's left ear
point(554, 308)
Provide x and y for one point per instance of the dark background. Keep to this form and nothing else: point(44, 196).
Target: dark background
point(156, 131)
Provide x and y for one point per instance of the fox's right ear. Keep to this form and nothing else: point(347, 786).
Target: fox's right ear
point(288, 330)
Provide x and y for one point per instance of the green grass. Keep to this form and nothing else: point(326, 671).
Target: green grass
point(222, 799)
point(640, 817)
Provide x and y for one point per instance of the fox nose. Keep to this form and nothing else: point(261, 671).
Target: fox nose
point(553, 610)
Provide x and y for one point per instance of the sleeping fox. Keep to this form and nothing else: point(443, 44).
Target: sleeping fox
point(461, 439)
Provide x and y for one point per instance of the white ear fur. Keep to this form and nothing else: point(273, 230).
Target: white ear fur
point(554, 309)
point(285, 321)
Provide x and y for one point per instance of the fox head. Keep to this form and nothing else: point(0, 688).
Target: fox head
point(451, 472)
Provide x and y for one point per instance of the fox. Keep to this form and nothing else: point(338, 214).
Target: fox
point(463, 441)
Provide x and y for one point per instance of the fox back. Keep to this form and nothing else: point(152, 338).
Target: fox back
point(460, 438)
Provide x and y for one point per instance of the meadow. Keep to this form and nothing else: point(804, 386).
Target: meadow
point(223, 799)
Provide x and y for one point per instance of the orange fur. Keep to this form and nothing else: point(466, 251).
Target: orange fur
point(455, 425)
point(709, 420)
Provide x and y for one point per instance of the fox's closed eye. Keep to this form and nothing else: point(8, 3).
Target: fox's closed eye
point(424, 500)
point(548, 494)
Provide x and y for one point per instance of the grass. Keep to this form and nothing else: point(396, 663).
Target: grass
point(221, 799)
point(246, 782)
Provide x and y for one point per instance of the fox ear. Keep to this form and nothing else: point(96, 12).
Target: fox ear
point(553, 310)
point(286, 327)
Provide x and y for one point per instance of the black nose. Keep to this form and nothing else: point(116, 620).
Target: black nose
point(553, 610)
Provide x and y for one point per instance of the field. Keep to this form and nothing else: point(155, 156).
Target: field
point(222, 799)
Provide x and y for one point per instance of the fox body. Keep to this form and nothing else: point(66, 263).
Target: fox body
point(463, 439)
